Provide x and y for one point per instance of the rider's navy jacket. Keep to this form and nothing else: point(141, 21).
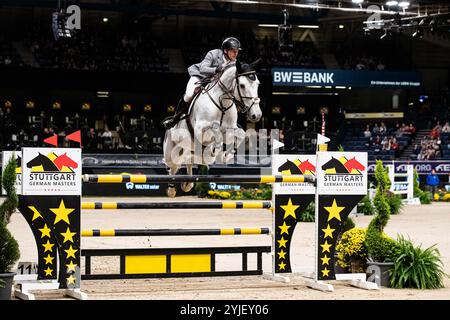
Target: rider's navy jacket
point(208, 66)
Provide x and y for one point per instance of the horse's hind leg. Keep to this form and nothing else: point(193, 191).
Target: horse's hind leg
point(171, 190)
point(187, 186)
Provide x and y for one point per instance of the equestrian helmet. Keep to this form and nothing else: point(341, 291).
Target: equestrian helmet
point(231, 43)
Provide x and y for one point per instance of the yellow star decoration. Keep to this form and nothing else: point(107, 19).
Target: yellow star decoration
point(325, 247)
point(284, 228)
point(282, 266)
point(325, 272)
point(48, 259)
point(68, 236)
point(325, 260)
point(36, 214)
point(62, 213)
point(328, 232)
point(45, 231)
point(48, 271)
point(289, 209)
point(71, 279)
point(71, 266)
point(334, 211)
point(282, 242)
point(71, 252)
point(282, 254)
point(48, 246)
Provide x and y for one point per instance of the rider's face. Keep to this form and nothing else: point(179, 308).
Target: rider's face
point(232, 54)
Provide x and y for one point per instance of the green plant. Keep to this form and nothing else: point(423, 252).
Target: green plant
point(415, 267)
point(8, 180)
point(380, 247)
point(201, 188)
point(425, 197)
point(348, 224)
point(395, 203)
point(309, 215)
point(365, 206)
point(9, 248)
point(352, 248)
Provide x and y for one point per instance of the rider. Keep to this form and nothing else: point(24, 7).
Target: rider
point(211, 64)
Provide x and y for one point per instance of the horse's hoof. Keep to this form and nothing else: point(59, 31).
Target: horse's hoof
point(186, 187)
point(171, 192)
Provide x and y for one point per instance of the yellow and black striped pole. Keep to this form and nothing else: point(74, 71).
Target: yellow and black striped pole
point(173, 232)
point(141, 178)
point(178, 205)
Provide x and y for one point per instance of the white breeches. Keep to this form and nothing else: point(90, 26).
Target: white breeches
point(190, 88)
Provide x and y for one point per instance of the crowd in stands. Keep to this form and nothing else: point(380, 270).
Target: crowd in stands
point(8, 54)
point(434, 146)
point(364, 63)
point(381, 142)
point(136, 51)
point(99, 133)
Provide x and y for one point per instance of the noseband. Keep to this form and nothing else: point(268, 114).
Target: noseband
point(229, 93)
point(240, 104)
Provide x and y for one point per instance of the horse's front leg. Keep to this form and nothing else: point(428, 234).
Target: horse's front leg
point(233, 139)
point(211, 138)
point(187, 186)
point(171, 190)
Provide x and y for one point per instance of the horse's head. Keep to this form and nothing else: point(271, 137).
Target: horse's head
point(244, 88)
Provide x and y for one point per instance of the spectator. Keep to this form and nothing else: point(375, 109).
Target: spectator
point(367, 133)
point(446, 128)
point(433, 181)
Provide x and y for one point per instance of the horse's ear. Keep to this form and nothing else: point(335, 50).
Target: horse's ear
point(255, 63)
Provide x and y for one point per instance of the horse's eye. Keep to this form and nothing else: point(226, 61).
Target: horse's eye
point(242, 86)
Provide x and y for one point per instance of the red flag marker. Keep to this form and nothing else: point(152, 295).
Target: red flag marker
point(76, 136)
point(53, 140)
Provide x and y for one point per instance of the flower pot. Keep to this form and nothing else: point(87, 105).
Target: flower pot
point(378, 272)
point(357, 266)
point(5, 288)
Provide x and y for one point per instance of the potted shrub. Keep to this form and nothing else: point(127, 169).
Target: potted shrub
point(381, 248)
point(416, 267)
point(9, 248)
point(351, 251)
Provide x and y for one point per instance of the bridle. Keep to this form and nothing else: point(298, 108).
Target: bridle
point(229, 94)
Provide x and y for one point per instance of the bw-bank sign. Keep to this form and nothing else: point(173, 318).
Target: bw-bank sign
point(325, 77)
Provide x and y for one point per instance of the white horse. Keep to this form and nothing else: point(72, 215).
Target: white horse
point(213, 113)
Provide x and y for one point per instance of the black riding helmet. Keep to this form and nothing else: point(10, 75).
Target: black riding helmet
point(231, 43)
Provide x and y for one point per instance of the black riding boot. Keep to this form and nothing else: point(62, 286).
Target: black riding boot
point(179, 111)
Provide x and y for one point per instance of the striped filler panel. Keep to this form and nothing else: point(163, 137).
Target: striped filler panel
point(177, 205)
point(137, 178)
point(172, 232)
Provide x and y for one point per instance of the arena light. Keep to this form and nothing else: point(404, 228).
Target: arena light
point(391, 3)
point(306, 26)
point(404, 4)
point(105, 19)
point(268, 25)
point(357, 1)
